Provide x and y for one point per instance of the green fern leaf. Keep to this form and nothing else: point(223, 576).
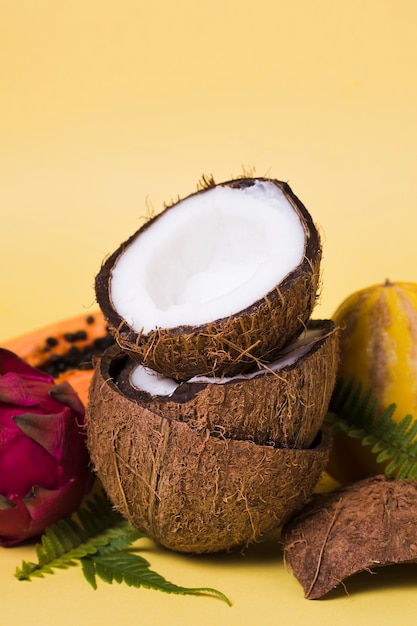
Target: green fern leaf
point(404, 428)
point(367, 440)
point(49, 547)
point(99, 537)
point(134, 571)
point(393, 465)
point(410, 433)
point(120, 541)
point(356, 413)
point(406, 468)
point(384, 455)
point(26, 570)
point(357, 433)
point(89, 571)
point(65, 542)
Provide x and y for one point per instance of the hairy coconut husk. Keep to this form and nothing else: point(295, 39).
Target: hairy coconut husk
point(359, 527)
point(233, 344)
point(285, 408)
point(189, 491)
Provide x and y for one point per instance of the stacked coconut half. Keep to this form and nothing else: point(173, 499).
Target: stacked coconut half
point(205, 419)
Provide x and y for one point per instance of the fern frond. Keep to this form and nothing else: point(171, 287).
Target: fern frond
point(69, 540)
point(98, 537)
point(356, 413)
point(135, 571)
point(89, 571)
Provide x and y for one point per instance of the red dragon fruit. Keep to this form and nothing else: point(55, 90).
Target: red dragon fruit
point(44, 462)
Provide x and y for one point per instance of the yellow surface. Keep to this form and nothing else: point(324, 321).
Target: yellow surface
point(108, 109)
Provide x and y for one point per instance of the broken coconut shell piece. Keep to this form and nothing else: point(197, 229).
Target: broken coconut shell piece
point(358, 527)
point(192, 492)
point(282, 404)
point(216, 282)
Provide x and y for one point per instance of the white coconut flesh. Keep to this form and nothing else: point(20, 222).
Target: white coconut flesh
point(145, 379)
point(209, 257)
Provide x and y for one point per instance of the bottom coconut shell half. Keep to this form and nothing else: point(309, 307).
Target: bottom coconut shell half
point(189, 491)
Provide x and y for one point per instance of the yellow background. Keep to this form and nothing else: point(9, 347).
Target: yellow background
point(109, 109)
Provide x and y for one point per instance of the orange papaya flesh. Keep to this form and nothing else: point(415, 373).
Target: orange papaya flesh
point(66, 349)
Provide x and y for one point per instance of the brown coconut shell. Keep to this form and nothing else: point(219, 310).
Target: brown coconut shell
point(233, 344)
point(189, 491)
point(367, 524)
point(283, 408)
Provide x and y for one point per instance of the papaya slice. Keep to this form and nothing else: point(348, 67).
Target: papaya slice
point(65, 350)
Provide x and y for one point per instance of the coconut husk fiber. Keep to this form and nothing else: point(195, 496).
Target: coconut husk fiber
point(361, 526)
point(233, 344)
point(284, 408)
point(192, 492)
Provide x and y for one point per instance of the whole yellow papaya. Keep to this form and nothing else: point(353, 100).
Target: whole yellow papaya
point(378, 348)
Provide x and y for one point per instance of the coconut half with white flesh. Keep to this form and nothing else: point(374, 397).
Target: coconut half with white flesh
point(282, 404)
point(190, 491)
point(215, 283)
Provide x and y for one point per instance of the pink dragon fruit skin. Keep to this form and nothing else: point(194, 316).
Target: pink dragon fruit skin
point(44, 462)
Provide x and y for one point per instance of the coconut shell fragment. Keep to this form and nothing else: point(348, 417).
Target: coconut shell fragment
point(284, 407)
point(361, 526)
point(192, 492)
point(225, 345)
